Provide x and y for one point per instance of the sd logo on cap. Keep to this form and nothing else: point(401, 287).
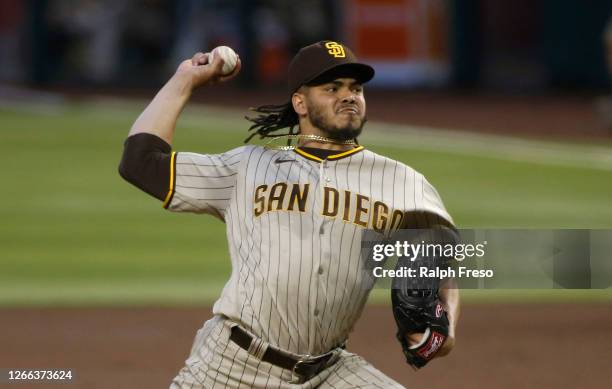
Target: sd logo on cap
point(335, 49)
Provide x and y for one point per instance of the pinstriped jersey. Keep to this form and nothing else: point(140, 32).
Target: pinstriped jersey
point(294, 225)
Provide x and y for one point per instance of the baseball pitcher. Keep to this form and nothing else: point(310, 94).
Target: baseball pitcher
point(294, 217)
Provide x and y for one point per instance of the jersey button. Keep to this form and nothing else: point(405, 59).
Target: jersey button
point(320, 269)
point(316, 312)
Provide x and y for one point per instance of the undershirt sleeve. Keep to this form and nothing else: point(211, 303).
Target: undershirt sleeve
point(146, 164)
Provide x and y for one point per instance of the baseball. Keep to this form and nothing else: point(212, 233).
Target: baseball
point(230, 58)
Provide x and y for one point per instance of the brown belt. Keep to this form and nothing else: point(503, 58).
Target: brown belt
point(305, 368)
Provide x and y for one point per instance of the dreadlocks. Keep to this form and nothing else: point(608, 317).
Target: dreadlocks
point(272, 118)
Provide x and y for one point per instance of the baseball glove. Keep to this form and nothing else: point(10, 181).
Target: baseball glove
point(416, 303)
point(417, 311)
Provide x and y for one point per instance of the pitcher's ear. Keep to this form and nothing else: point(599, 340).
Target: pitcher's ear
point(298, 100)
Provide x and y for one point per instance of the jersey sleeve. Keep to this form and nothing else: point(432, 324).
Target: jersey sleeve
point(433, 204)
point(429, 210)
point(203, 183)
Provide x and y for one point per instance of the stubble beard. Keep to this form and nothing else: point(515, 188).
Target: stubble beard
point(348, 132)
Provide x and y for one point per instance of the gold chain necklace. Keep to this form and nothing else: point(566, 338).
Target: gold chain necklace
point(316, 138)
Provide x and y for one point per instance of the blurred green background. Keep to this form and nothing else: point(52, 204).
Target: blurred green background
point(72, 232)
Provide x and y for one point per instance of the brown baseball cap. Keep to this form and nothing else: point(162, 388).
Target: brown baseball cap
point(325, 61)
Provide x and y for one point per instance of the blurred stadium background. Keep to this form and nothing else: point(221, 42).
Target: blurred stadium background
point(501, 104)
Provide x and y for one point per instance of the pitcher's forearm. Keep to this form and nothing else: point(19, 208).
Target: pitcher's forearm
point(449, 296)
point(161, 115)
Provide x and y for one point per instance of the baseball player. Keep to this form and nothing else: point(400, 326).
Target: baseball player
point(294, 219)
